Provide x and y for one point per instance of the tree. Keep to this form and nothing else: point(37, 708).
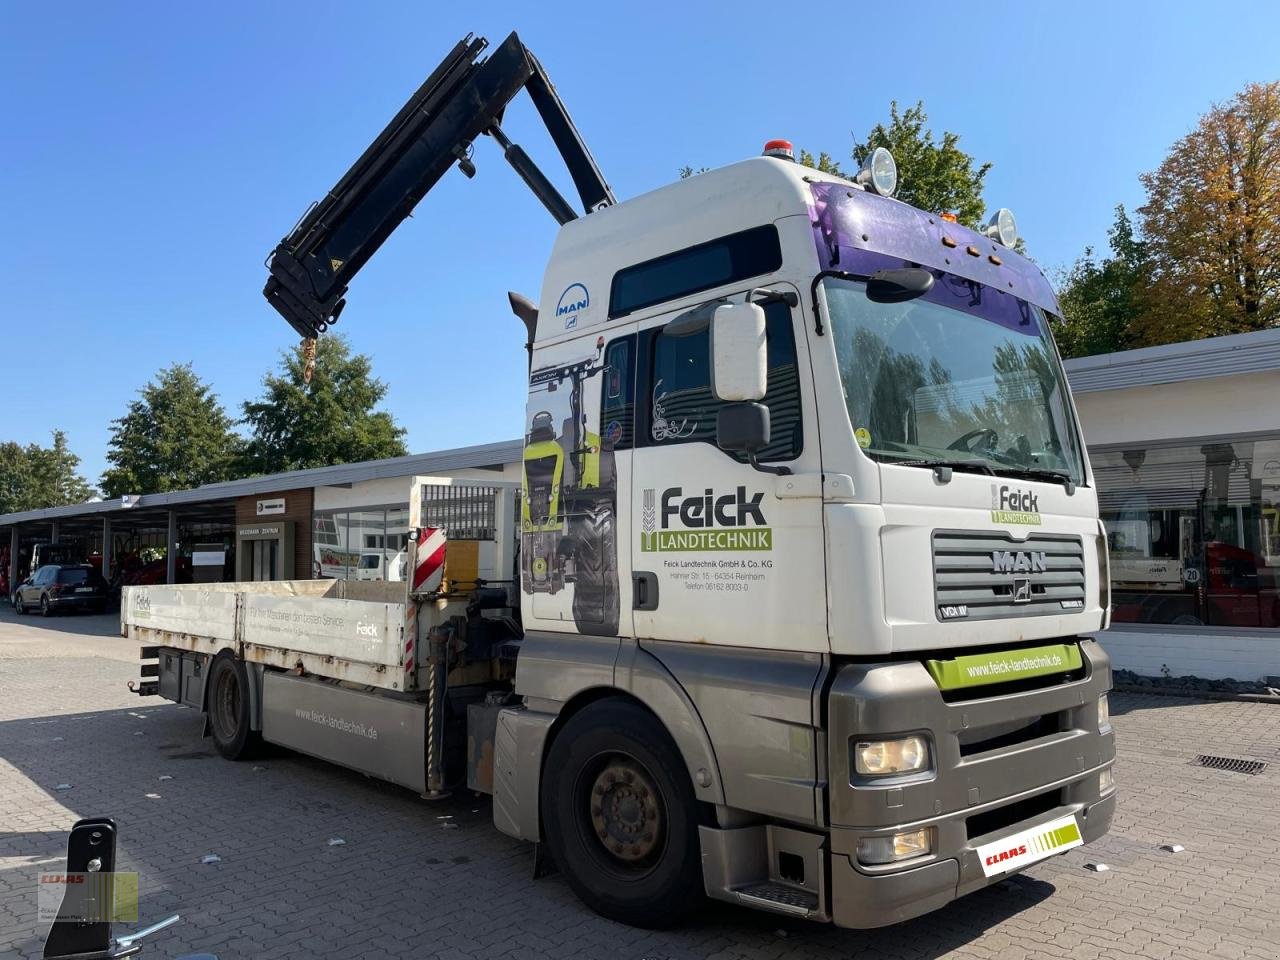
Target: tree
point(34, 477)
point(1101, 298)
point(330, 420)
point(934, 176)
point(176, 435)
point(1212, 223)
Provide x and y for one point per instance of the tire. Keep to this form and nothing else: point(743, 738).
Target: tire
point(45, 609)
point(595, 562)
point(18, 606)
point(655, 883)
point(227, 704)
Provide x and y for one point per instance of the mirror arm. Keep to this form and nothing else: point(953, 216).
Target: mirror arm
point(813, 292)
point(765, 468)
point(765, 295)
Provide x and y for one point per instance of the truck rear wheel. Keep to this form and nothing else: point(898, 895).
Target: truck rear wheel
point(620, 817)
point(228, 708)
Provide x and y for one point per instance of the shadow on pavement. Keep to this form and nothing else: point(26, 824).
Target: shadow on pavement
point(91, 624)
point(272, 823)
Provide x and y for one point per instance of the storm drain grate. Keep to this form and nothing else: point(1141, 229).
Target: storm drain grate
point(1233, 764)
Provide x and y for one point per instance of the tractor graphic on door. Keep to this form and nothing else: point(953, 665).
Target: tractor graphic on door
point(568, 514)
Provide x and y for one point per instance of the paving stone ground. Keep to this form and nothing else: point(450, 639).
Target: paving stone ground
point(404, 884)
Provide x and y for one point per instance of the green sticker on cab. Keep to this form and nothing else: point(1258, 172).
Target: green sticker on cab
point(1002, 666)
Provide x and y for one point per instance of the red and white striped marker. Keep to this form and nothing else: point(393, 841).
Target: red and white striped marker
point(428, 570)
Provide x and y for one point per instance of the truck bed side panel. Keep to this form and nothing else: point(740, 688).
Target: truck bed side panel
point(356, 630)
point(181, 610)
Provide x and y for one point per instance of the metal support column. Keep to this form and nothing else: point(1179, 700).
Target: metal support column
point(106, 548)
point(13, 557)
point(53, 532)
point(171, 551)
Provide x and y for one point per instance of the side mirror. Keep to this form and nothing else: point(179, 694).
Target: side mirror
point(739, 354)
point(899, 286)
point(744, 428)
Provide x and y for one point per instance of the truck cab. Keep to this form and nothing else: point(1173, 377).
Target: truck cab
point(867, 584)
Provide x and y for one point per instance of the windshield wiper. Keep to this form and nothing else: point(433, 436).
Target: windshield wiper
point(943, 466)
point(1040, 473)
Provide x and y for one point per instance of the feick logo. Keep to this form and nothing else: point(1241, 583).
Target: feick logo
point(1011, 505)
point(706, 521)
point(573, 302)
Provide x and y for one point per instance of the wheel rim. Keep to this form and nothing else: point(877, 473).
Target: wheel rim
point(44, 604)
point(626, 815)
point(226, 704)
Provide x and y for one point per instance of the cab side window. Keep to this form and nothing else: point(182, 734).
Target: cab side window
point(617, 396)
point(683, 408)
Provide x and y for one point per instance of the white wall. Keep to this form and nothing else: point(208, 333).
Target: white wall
point(1195, 408)
point(1186, 652)
point(393, 490)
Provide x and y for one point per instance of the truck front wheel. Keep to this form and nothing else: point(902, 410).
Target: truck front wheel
point(228, 707)
point(620, 817)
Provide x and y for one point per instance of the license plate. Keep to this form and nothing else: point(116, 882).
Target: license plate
point(1022, 849)
point(84, 589)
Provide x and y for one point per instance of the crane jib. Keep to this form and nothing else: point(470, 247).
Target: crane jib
point(463, 98)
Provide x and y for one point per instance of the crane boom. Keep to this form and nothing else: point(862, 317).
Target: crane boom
point(463, 98)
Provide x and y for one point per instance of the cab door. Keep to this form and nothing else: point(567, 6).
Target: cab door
point(575, 529)
point(722, 552)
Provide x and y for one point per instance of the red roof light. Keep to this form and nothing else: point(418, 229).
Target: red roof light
point(779, 148)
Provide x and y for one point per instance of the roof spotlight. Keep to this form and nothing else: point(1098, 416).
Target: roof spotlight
point(1002, 228)
point(879, 172)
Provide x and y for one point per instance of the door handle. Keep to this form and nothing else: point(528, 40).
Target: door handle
point(644, 590)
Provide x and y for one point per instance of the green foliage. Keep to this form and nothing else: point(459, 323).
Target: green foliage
point(1212, 223)
point(934, 176)
point(34, 477)
point(296, 425)
point(823, 162)
point(1100, 298)
point(175, 436)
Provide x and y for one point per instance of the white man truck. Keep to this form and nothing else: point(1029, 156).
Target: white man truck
point(792, 606)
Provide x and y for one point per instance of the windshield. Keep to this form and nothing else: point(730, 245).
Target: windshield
point(965, 374)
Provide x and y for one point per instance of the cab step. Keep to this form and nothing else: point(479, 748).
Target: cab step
point(779, 898)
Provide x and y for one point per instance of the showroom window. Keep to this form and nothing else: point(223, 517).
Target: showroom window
point(1193, 531)
point(366, 544)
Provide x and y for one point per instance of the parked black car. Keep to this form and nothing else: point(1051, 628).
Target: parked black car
point(62, 586)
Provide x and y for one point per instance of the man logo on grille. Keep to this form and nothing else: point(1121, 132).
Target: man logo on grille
point(1021, 589)
point(1020, 561)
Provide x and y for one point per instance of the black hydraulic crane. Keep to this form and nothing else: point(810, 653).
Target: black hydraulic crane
point(464, 97)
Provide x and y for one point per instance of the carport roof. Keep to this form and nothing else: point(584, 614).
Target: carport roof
point(479, 456)
point(1239, 353)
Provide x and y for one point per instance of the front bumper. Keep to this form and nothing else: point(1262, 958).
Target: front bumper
point(1042, 761)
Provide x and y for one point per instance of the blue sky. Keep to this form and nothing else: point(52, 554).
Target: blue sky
point(155, 152)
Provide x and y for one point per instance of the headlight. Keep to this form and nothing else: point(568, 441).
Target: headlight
point(1104, 714)
point(900, 846)
point(880, 758)
point(1106, 781)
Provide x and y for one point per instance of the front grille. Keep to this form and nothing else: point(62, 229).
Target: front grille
point(975, 740)
point(980, 824)
point(989, 575)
